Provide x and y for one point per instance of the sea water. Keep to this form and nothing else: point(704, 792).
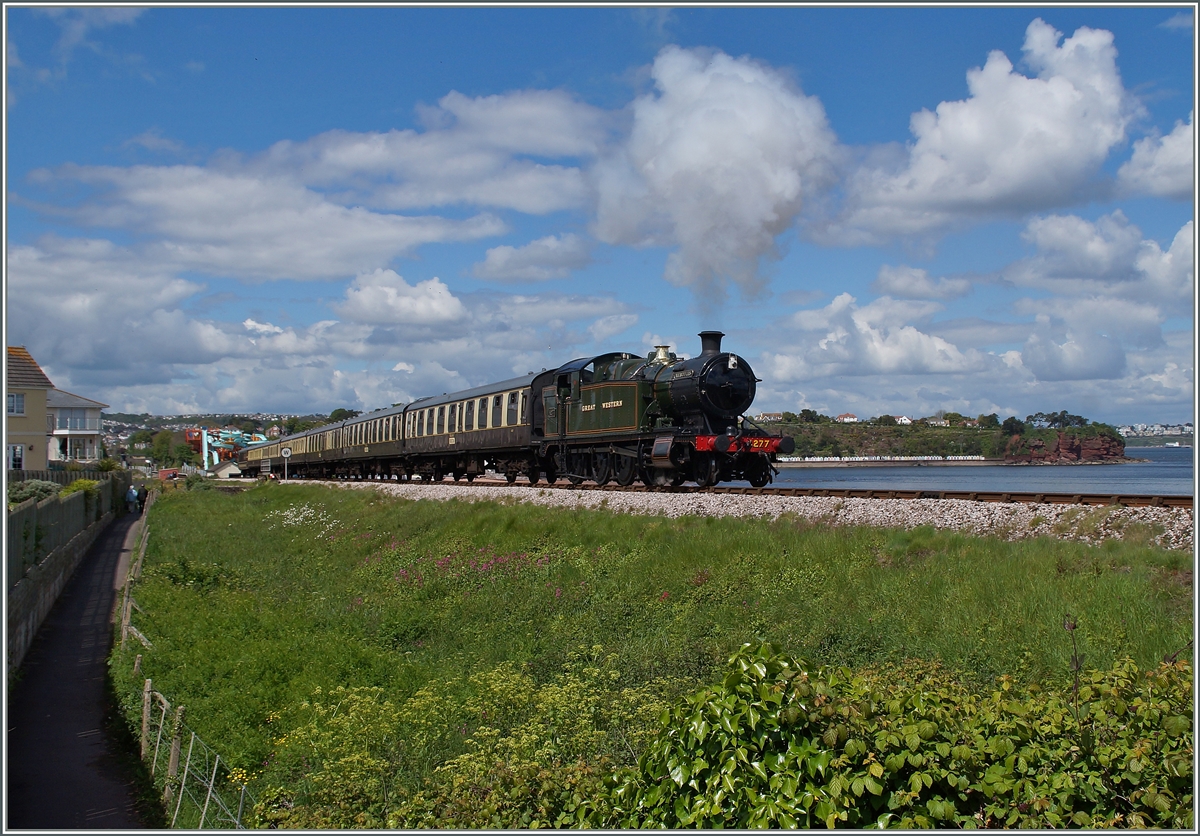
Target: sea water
point(1163, 471)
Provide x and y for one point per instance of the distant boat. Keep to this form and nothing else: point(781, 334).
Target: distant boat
point(1171, 444)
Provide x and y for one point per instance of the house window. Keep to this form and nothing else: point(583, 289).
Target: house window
point(16, 456)
point(16, 406)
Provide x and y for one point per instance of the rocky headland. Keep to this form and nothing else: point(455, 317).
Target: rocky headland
point(1065, 448)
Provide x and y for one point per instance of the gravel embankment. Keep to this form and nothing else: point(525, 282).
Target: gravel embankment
point(1171, 527)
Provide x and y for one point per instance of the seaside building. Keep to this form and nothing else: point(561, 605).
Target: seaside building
point(25, 416)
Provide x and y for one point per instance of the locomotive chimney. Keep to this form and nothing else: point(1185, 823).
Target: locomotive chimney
point(710, 343)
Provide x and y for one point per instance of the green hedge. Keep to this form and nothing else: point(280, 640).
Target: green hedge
point(782, 744)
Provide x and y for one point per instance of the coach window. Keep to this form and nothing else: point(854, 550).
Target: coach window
point(452, 418)
point(524, 407)
point(441, 420)
point(512, 409)
point(497, 410)
point(469, 418)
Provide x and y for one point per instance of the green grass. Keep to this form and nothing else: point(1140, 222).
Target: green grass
point(250, 616)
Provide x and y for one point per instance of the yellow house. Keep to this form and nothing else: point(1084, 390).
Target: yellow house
point(25, 416)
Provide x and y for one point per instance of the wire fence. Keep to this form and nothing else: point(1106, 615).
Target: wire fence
point(198, 789)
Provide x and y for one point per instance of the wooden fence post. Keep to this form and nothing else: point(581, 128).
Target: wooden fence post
point(145, 717)
point(173, 762)
point(137, 567)
point(125, 613)
point(137, 664)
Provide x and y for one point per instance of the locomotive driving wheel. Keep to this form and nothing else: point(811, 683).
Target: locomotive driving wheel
point(626, 470)
point(704, 469)
point(602, 468)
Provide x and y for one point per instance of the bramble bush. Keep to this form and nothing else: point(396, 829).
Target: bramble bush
point(783, 744)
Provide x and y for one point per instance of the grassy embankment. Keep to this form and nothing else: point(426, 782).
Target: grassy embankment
point(554, 635)
point(917, 440)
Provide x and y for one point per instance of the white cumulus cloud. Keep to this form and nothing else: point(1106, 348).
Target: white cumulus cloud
point(915, 283)
point(1107, 256)
point(552, 257)
point(1162, 166)
point(1018, 143)
point(879, 338)
point(382, 297)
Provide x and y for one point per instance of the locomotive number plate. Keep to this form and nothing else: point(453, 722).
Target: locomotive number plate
point(757, 443)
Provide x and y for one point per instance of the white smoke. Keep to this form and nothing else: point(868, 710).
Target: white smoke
point(719, 158)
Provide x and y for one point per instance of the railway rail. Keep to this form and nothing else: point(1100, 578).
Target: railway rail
point(1127, 500)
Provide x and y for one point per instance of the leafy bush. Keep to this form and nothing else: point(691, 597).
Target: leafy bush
point(38, 489)
point(781, 743)
point(107, 465)
point(198, 482)
point(530, 754)
point(78, 485)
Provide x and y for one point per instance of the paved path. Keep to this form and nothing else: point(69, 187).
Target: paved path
point(63, 768)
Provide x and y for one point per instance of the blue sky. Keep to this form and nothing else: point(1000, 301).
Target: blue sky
point(893, 210)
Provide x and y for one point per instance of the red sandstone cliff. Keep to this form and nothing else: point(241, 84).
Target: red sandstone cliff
point(1064, 449)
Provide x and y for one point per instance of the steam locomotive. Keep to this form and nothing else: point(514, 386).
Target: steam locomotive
point(615, 417)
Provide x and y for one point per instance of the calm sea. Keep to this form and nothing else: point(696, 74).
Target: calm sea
point(1167, 471)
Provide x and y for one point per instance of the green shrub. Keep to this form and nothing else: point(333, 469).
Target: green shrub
point(78, 485)
point(107, 465)
point(38, 489)
point(783, 744)
point(528, 753)
point(198, 482)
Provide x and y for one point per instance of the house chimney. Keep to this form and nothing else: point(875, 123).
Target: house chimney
point(710, 343)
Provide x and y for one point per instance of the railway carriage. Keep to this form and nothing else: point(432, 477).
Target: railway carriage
point(613, 417)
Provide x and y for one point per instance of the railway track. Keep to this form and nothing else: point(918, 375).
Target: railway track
point(1127, 500)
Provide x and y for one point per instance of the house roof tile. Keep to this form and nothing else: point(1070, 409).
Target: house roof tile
point(23, 370)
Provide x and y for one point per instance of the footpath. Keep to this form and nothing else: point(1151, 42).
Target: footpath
point(64, 768)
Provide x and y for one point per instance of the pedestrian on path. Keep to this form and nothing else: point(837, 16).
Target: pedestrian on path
point(142, 493)
point(131, 499)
